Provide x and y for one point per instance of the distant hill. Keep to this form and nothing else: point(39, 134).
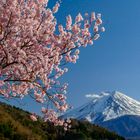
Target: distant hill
point(127, 126)
point(15, 124)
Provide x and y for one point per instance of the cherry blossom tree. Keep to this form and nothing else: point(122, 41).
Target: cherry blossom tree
point(34, 51)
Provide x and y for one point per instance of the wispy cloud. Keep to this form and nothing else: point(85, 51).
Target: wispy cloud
point(95, 96)
point(92, 96)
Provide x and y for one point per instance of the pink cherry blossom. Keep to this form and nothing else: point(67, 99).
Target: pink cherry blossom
point(78, 18)
point(96, 28)
point(96, 36)
point(33, 117)
point(56, 7)
point(102, 29)
point(69, 22)
point(99, 21)
point(33, 55)
point(93, 16)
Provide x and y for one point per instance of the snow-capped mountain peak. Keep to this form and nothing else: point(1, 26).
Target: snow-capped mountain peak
point(105, 106)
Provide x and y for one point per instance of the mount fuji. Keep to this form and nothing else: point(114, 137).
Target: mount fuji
point(112, 110)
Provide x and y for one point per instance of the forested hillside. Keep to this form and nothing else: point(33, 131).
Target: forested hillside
point(15, 124)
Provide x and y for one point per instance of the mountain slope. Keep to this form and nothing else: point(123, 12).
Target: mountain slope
point(112, 110)
point(106, 106)
point(15, 124)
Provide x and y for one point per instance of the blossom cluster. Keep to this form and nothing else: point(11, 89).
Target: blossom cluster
point(33, 54)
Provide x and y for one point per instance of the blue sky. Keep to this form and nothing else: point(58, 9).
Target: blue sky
point(114, 61)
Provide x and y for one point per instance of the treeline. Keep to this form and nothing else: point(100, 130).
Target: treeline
point(15, 124)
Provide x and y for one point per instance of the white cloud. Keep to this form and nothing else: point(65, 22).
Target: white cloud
point(92, 96)
point(95, 96)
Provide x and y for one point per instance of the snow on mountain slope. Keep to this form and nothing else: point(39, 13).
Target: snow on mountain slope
point(106, 106)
